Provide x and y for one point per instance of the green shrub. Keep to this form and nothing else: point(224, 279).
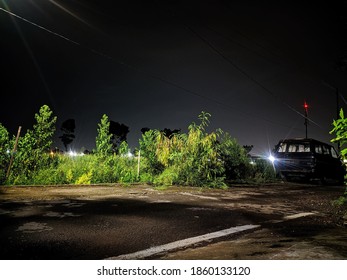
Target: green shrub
point(196, 158)
point(262, 171)
point(234, 158)
point(146, 178)
point(69, 176)
point(168, 177)
point(45, 176)
point(188, 159)
point(85, 179)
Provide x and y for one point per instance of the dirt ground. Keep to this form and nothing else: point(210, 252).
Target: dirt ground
point(321, 236)
point(267, 198)
point(319, 232)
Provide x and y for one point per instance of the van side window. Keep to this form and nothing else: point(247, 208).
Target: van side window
point(292, 148)
point(299, 148)
point(282, 148)
point(326, 150)
point(318, 149)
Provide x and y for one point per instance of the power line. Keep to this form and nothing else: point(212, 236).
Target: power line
point(153, 76)
point(242, 45)
point(245, 73)
point(39, 26)
point(53, 33)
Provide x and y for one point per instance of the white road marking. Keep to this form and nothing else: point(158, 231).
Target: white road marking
point(200, 196)
point(183, 243)
point(161, 201)
point(292, 217)
point(202, 238)
point(299, 215)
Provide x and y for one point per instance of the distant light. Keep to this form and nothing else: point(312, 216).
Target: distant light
point(129, 154)
point(75, 154)
point(271, 158)
point(8, 151)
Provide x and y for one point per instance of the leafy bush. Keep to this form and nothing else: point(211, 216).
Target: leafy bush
point(148, 146)
point(340, 131)
point(4, 152)
point(146, 178)
point(262, 171)
point(234, 157)
point(32, 152)
point(46, 176)
point(188, 159)
point(168, 177)
point(85, 178)
point(196, 158)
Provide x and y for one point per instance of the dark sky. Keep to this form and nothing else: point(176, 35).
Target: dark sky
point(158, 64)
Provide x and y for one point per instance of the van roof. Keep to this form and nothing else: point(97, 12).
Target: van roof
point(303, 140)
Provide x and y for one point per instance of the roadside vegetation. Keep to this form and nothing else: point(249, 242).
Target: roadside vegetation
point(340, 132)
point(196, 158)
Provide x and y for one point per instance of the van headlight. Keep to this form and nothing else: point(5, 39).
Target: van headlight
point(271, 158)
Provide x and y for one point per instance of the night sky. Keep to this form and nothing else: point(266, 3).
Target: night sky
point(158, 64)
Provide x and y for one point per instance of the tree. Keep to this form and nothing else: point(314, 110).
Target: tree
point(234, 157)
point(200, 164)
point(189, 159)
point(148, 147)
point(68, 128)
point(103, 139)
point(145, 129)
point(169, 133)
point(340, 131)
point(34, 146)
point(118, 133)
point(44, 128)
point(248, 148)
point(4, 152)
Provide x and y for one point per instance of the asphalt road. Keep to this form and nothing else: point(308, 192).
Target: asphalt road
point(98, 222)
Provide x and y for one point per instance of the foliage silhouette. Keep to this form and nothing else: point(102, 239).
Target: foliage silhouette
point(68, 128)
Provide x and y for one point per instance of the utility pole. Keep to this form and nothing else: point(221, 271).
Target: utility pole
point(13, 151)
point(138, 164)
point(306, 117)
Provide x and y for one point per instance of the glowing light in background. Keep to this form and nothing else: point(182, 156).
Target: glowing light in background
point(75, 154)
point(271, 158)
point(129, 155)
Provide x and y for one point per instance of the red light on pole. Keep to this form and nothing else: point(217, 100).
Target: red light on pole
point(306, 115)
point(305, 105)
